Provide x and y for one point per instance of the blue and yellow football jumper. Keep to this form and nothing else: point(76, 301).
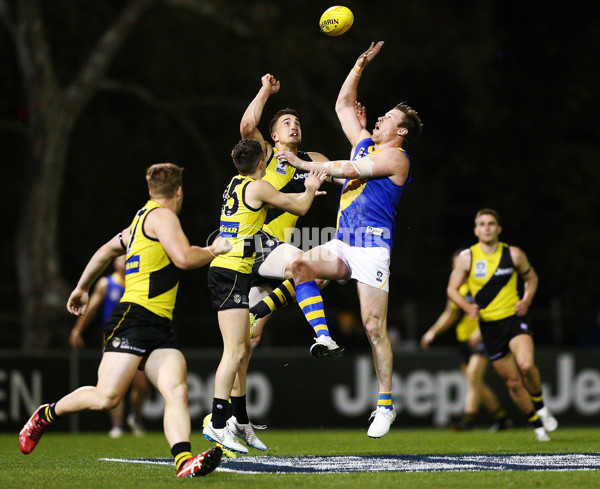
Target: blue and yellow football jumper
point(367, 211)
point(114, 291)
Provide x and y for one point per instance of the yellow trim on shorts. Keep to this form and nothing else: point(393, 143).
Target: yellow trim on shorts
point(112, 333)
point(230, 292)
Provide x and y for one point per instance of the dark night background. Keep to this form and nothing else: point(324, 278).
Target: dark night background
point(507, 90)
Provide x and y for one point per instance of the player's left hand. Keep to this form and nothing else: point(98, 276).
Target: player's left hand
point(78, 302)
point(315, 179)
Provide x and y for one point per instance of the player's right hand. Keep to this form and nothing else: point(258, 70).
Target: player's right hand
point(270, 83)
point(314, 180)
point(427, 339)
point(365, 58)
point(78, 302)
point(220, 245)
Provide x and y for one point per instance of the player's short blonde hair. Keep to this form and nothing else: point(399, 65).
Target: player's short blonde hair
point(488, 211)
point(164, 179)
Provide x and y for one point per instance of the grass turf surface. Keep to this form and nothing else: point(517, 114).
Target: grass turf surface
point(65, 461)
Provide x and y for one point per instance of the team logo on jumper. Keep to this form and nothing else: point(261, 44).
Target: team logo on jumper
point(116, 342)
point(480, 269)
point(229, 229)
point(281, 168)
point(132, 265)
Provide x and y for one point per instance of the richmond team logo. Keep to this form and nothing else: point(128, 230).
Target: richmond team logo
point(480, 269)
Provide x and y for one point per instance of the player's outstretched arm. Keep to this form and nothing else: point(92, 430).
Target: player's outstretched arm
point(387, 163)
point(78, 301)
point(253, 114)
point(262, 191)
point(165, 225)
point(345, 106)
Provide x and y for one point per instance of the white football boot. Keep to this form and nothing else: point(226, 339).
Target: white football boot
point(382, 421)
point(324, 346)
point(246, 433)
point(549, 421)
point(224, 437)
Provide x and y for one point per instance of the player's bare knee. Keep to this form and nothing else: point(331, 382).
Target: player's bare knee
point(107, 402)
point(176, 393)
point(301, 269)
point(526, 367)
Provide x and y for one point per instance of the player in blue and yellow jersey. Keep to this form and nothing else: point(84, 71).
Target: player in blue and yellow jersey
point(274, 250)
point(474, 362)
point(105, 297)
point(138, 334)
point(372, 183)
point(243, 213)
point(491, 269)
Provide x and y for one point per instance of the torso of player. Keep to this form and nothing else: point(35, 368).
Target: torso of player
point(115, 288)
point(239, 223)
point(286, 179)
point(493, 282)
point(151, 279)
point(367, 211)
point(466, 326)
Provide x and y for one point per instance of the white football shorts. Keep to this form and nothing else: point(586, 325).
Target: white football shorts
point(370, 266)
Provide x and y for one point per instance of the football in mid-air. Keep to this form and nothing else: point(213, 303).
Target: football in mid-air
point(336, 20)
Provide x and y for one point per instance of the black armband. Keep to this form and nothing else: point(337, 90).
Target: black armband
point(121, 240)
point(526, 272)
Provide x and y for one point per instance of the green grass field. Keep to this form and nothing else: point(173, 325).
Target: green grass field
point(66, 461)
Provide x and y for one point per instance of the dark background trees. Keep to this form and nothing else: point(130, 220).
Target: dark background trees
point(507, 91)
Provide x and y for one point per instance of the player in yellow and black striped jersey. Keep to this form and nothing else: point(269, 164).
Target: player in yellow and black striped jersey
point(243, 213)
point(285, 132)
point(490, 269)
point(474, 362)
point(138, 332)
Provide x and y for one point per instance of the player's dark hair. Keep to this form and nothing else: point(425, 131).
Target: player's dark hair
point(488, 211)
point(411, 121)
point(278, 114)
point(246, 154)
point(163, 179)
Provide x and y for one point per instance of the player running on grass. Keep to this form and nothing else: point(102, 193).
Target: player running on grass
point(138, 333)
point(490, 269)
point(374, 181)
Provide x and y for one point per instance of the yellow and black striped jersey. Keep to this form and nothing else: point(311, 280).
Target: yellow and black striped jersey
point(493, 282)
point(239, 223)
point(151, 279)
point(286, 179)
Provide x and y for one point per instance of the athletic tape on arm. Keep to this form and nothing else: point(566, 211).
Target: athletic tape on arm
point(362, 166)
